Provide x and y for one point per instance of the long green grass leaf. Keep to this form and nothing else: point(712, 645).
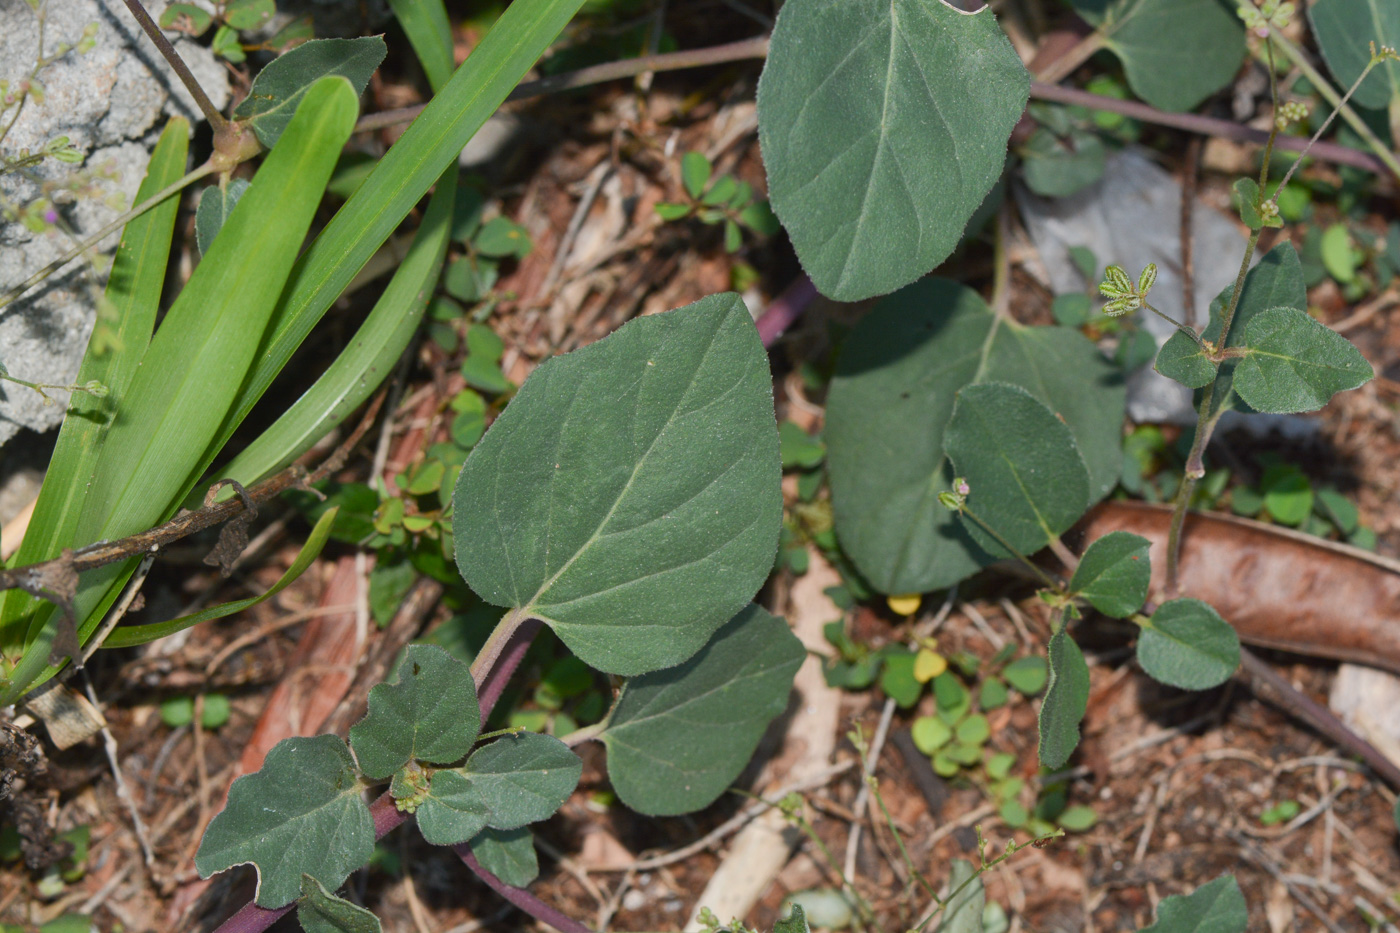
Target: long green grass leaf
point(128, 636)
point(133, 291)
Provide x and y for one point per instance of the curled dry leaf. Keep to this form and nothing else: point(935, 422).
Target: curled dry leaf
point(1279, 588)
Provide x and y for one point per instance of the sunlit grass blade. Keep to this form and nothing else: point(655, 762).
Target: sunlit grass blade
point(133, 292)
point(128, 636)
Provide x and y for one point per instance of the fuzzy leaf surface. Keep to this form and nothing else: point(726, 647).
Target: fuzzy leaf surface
point(1216, 907)
point(320, 911)
point(1114, 574)
point(301, 813)
point(1296, 363)
point(429, 712)
point(964, 911)
point(1188, 645)
point(509, 854)
point(1028, 481)
point(883, 122)
point(523, 778)
point(454, 810)
point(1182, 359)
point(1147, 36)
point(678, 737)
point(279, 88)
point(215, 204)
point(1066, 699)
point(629, 495)
point(1344, 30)
point(898, 375)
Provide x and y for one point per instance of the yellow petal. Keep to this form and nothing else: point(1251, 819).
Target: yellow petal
point(905, 605)
point(928, 665)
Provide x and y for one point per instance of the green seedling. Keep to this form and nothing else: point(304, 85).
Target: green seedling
point(719, 199)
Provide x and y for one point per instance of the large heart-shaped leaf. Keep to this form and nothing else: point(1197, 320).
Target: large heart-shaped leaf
point(883, 125)
point(678, 737)
point(1294, 363)
point(1217, 907)
point(509, 854)
point(1148, 36)
point(1028, 481)
point(629, 495)
point(1344, 30)
point(301, 813)
point(889, 405)
point(428, 712)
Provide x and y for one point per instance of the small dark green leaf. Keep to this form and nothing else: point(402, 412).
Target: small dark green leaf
point(1288, 494)
point(482, 368)
point(1217, 907)
point(1029, 482)
point(798, 448)
point(1057, 168)
point(1294, 363)
point(245, 15)
point(522, 778)
point(500, 237)
point(1182, 359)
point(678, 737)
point(280, 86)
point(1114, 574)
point(1027, 675)
point(897, 679)
point(389, 582)
point(509, 854)
point(883, 122)
point(795, 923)
point(320, 911)
point(1186, 644)
point(428, 712)
point(1245, 195)
point(226, 44)
point(724, 188)
point(1339, 509)
point(1065, 701)
point(670, 211)
point(186, 17)
point(301, 813)
point(952, 699)
point(454, 810)
point(651, 460)
point(1071, 310)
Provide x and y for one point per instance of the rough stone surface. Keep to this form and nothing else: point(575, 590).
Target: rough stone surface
point(111, 103)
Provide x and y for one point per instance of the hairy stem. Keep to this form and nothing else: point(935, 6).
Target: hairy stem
point(172, 58)
point(495, 678)
point(1039, 573)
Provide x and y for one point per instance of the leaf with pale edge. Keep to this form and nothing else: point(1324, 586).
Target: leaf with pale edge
point(883, 122)
point(964, 911)
point(899, 373)
point(630, 495)
point(453, 811)
point(523, 778)
point(1184, 360)
point(320, 911)
point(1114, 573)
point(1217, 907)
point(1344, 30)
point(1147, 36)
point(429, 712)
point(795, 923)
point(1028, 481)
point(301, 813)
point(1294, 363)
point(509, 854)
point(1186, 644)
point(678, 737)
point(215, 204)
point(279, 87)
point(1066, 699)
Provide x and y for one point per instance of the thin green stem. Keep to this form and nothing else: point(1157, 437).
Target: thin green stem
point(10, 296)
point(1012, 849)
point(1300, 61)
point(996, 536)
point(1190, 332)
point(874, 784)
point(585, 734)
point(490, 652)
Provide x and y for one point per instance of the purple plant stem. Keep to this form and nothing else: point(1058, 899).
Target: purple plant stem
point(520, 897)
point(785, 309)
point(494, 681)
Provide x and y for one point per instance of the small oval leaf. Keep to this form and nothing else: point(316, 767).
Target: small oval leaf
point(280, 86)
point(522, 778)
point(1114, 574)
point(1186, 644)
point(1295, 363)
point(1066, 699)
point(509, 854)
point(429, 712)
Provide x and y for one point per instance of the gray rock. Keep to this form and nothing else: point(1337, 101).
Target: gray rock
point(110, 102)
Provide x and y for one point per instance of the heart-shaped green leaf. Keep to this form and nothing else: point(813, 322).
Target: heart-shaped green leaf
point(280, 86)
point(523, 778)
point(1066, 699)
point(428, 712)
point(1344, 30)
point(1294, 363)
point(509, 854)
point(1114, 574)
point(320, 911)
point(1028, 481)
point(453, 811)
point(1217, 907)
point(889, 405)
point(1186, 644)
point(629, 495)
point(678, 737)
point(1148, 36)
point(301, 813)
point(883, 122)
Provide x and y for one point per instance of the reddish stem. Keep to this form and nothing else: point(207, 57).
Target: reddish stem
point(520, 897)
point(494, 681)
point(785, 309)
